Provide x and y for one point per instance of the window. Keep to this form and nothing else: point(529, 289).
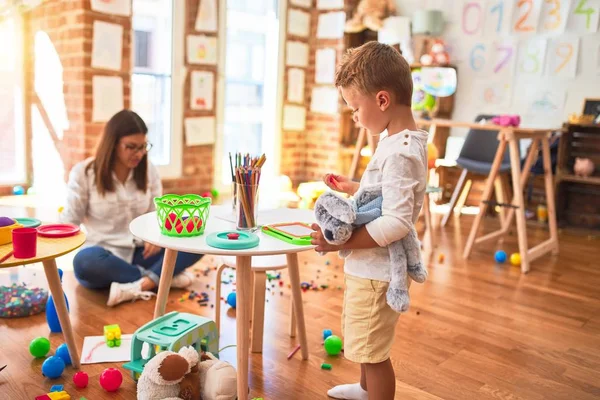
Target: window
point(156, 90)
point(12, 127)
point(252, 70)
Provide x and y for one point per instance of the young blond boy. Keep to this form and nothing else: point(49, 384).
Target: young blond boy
point(376, 83)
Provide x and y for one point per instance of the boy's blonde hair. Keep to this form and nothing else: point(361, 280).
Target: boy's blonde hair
point(376, 66)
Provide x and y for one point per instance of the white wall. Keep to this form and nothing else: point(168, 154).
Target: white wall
point(523, 89)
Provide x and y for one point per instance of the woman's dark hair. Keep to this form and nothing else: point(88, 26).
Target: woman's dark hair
point(123, 123)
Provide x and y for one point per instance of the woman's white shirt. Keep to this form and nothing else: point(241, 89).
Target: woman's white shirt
point(106, 218)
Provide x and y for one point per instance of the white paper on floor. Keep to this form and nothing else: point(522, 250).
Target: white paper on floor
point(96, 351)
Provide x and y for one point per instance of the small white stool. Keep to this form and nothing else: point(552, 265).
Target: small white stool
point(260, 266)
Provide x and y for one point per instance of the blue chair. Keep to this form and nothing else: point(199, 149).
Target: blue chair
point(476, 158)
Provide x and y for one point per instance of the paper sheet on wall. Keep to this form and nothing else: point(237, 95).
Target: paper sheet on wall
point(324, 100)
point(301, 3)
point(294, 118)
point(583, 17)
point(298, 23)
point(330, 4)
point(202, 49)
point(492, 95)
point(202, 85)
point(526, 16)
point(116, 7)
point(206, 19)
point(555, 15)
point(199, 131)
point(96, 351)
point(598, 59)
point(472, 17)
point(503, 57)
point(295, 86)
point(563, 54)
point(532, 56)
point(537, 100)
point(331, 25)
point(107, 45)
point(497, 20)
point(107, 97)
point(394, 30)
point(296, 54)
point(325, 66)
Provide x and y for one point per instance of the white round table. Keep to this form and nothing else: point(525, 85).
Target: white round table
point(146, 228)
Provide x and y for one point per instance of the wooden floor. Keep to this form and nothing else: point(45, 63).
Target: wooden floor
point(475, 330)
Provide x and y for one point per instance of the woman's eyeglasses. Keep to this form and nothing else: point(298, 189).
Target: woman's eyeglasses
point(132, 148)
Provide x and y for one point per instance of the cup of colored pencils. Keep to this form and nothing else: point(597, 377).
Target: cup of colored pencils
point(246, 178)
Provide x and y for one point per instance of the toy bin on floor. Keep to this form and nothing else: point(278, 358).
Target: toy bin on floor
point(182, 216)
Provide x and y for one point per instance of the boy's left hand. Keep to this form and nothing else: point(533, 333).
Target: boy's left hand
point(319, 240)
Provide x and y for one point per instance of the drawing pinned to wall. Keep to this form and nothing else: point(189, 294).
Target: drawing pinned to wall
point(583, 17)
point(563, 54)
point(492, 95)
point(479, 58)
point(107, 97)
point(296, 54)
point(115, 7)
point(542, 101)
point(497, 17)
point(503, 57)
point(331, 25)
point(525, 16)
point(294, 118)
point(107, 45)
point(295, 85)
point(555, 14)
point(325, 66)
point(324, 100)
point(301, 3)
point(532, 55)
point(598, 59)
point(472, 17)
point(298, 23)
point(330, 4)
point(202, 85)
point(202, 49)
point(199, 131)
point(206, 19)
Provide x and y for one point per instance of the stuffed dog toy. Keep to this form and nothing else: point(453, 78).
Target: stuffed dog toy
point(338, 217)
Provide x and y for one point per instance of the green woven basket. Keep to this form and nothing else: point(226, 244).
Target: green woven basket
point(182, 216)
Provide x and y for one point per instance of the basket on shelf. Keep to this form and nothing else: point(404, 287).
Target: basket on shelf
point(182, 216)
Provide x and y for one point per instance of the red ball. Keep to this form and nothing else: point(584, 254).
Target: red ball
point(111, 379)
point(81, 379)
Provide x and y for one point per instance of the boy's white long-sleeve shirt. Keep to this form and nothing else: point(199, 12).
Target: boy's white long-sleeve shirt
point(399, 165)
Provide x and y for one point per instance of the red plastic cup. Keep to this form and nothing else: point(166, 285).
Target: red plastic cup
point(24, 242)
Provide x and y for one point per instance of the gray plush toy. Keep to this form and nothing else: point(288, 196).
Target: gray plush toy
point(338, 217)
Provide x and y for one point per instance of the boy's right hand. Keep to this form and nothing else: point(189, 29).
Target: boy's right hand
point(340, 183)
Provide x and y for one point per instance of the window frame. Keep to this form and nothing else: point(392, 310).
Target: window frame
point(174, 168)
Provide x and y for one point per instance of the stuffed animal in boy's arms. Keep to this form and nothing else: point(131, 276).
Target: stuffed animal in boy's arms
point(338, 217)
point(181, 376)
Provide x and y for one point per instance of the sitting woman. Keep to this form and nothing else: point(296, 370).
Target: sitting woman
point(106, 193)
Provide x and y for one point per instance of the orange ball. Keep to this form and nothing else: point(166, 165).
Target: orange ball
point(432, 155)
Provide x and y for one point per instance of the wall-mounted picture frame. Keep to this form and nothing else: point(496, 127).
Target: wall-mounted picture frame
point(591, 107)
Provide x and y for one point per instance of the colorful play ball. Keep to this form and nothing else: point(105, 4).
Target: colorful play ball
point(500, 256)
point(39, 347)
point(63, 352)
point(515, 259)
point(232, 299)
point(333, 345)
point(111, 379)
point(53, 367)
point(81, 379)
point(18, 190)
point(326, 333)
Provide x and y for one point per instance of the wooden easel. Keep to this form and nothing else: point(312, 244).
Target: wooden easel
point(360, 142)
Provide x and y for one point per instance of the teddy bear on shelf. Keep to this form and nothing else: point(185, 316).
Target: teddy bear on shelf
point(186, 376)
point(370, 14)
point(437, 55)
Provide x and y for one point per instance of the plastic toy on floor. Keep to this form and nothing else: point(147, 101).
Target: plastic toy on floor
point(507, 120)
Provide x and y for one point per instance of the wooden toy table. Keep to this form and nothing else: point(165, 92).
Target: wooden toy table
point(48, 249)
point(146, 228)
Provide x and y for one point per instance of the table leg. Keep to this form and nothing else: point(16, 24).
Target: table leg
point(243, 278)
point(487, 193)
point(515, 170)
point(292, 262)
point(61, 309)
point(550, 194)
point(164, 285)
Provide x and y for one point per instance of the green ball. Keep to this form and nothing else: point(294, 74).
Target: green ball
point(333, 345)
point(215, 193)
point(39, 347)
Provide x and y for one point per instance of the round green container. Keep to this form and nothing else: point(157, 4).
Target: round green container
point(182, 216)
